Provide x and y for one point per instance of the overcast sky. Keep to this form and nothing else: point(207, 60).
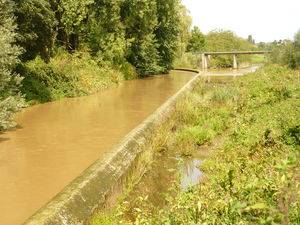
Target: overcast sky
point(266, 20)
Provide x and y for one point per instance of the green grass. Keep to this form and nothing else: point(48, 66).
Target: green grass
point(257, 59)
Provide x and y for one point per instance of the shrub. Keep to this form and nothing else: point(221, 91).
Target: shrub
point(66, 75)
point(188, 60)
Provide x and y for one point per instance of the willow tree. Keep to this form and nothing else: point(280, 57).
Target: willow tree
point(140, 20)
point(10, 99)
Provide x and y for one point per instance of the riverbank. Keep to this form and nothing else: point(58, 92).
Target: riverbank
point(252, 174)
point(70, 75)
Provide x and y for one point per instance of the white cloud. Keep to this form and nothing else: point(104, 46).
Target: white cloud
point(266, 20)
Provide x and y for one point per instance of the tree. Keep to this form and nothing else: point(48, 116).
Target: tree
point(297, 49)
point(250, 39)
point(225, 40)
point(74, 15)
point(287, 52)
point(167, 31)
point(185, 24)
point(197, 42)
point(140, 20)
point(106, 35)
point(10, 99)
point(36, 27)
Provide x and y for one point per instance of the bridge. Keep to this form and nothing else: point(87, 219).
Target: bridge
point(207, 55)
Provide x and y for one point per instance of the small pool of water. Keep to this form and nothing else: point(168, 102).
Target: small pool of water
point(190, 173)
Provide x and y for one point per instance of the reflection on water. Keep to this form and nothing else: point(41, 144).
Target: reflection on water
point(59, 140)
point(190, 173)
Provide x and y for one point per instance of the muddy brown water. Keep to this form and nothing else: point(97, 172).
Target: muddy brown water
point(57, 141)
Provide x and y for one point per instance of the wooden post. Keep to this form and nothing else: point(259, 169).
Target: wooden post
point(235, 63)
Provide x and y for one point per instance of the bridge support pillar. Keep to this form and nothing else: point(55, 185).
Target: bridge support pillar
point(235, 63)
point(204, 62)
point(207, 61)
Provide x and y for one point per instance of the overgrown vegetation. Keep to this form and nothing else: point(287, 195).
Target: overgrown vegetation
point(253, 175)
point(66, 75)
point(214, 41)
point(226, 41)
point(10, 98)
point(72, 48)
point(286, 52)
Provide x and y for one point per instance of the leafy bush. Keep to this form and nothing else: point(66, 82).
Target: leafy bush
point(66, 75)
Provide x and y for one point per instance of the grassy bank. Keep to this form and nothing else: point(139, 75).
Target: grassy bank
point(252, 177)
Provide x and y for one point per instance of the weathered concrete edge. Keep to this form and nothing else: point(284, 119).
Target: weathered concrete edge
point(82, 196)
point(188, 70)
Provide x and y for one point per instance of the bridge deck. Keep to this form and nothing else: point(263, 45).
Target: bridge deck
point(236, 53)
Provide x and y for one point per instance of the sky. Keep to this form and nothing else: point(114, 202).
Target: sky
point(265, 20)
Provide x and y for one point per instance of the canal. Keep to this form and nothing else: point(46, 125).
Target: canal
point(55, 142)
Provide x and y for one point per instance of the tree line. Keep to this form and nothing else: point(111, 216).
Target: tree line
point(143, 32)
point(130, 37)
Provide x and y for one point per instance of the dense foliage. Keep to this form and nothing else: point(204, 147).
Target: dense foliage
point(225, 41)
point(251, 175)
point(168, 31)
point(197, 42)
point(214, 41)
point(143, 51)
point(286, 52)
point(66, 75)
point(72, 48)
point(143, 33)
point(10, 99)
point(36, 27)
